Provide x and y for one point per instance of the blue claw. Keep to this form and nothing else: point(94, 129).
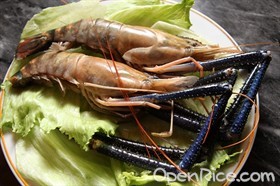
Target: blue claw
point(190, 156)
point(216, 77)
point(240, 117)
point(138, 147)
point(201, 91)
point(238, 61)
point(130, 157)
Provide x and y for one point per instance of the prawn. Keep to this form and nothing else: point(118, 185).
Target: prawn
point(138, 46)
point(96, 78)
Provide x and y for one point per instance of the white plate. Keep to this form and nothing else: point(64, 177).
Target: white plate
point(203, 26)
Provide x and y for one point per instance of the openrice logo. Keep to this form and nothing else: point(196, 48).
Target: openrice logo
point(208, 175)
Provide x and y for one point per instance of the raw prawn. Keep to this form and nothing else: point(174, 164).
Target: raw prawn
point(95, 77)
point(138, 46)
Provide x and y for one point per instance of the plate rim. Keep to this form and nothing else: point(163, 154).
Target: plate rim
point(239, 165)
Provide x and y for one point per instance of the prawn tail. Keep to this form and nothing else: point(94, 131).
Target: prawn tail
point(34, 44)
point(174, 84)
point(204, 53)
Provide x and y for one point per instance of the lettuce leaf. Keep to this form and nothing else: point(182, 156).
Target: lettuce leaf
point(119, 5)
point(53, 159)
point(177, 14)
point(55, 17)
point(48, 108)
point(178, 31)
point(218, 159)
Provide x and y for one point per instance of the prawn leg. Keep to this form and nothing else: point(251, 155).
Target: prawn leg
point(166, 134)
point(111, 103)
point(183, 117)
point(164, 68)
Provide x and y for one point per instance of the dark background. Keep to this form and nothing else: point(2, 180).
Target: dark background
point(247, 21)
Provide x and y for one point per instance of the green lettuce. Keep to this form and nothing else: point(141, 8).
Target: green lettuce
point(53, 159)
point(177, 14)
point(48, 108)
point(215, 165)
point(55, 17)
point(120, 5)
